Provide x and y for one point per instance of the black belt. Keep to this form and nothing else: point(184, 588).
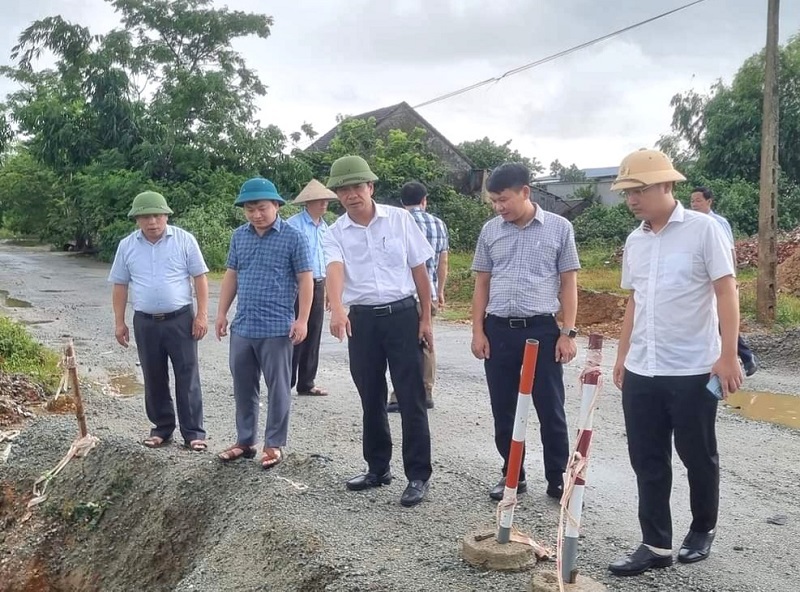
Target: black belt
point(383, 310)
point(520, 322)
point(164, 316)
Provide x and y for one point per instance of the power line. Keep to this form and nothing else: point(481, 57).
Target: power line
point(554, 56)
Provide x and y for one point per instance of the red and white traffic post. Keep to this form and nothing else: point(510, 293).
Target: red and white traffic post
point(509, 501)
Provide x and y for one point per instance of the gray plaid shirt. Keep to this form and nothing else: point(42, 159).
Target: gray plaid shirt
point(526, 263)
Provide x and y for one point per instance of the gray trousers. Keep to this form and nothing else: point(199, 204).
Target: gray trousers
point(159, 342)
point(249, 359)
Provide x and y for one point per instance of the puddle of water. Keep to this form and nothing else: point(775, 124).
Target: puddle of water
point(12, 302)
point(126, 385)
point(778, 409)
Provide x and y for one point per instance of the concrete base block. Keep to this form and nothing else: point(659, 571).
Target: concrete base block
point(547, 581)
point(481, 549)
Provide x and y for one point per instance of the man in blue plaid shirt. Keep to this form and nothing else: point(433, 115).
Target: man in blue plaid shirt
point(414, 198)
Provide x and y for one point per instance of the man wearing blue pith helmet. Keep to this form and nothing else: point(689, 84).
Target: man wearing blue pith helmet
point(268, 263)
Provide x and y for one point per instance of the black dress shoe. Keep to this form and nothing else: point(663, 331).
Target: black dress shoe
point(429, 403)
point(498, 490)
point(367, 480)
point(414, 493)
point(696, 546)
point(392, 407)
point(639, 562)
point(555, 490)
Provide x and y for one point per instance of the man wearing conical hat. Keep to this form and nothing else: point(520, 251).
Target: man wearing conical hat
point(672, 365)
point(156, 266)
point(305, 359)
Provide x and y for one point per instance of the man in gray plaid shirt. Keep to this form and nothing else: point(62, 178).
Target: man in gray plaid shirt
point(414, 198)
point(526, 266)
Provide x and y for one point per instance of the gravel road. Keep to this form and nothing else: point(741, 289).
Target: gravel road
point(366, 540)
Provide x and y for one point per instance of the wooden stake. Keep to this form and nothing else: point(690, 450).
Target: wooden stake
point(72, 367)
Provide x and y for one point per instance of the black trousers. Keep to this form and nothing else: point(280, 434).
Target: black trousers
point(305, 357)
point(506, 349)
point(656, 409)
point(379, 338)
point(743, 350)
point(158, 342)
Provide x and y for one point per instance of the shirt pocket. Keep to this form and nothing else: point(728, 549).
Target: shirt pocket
point(676, 270)
point(392, 253)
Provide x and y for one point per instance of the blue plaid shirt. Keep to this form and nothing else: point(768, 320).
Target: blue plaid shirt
point(435, 231)
point(266, 278)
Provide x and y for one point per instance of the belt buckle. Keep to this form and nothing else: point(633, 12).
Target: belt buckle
point(518, 323)
point(159, 316)
point(383, 311)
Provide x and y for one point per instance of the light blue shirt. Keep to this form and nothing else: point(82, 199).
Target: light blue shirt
point(726, 226)
point(314, 234)
point(158, 274)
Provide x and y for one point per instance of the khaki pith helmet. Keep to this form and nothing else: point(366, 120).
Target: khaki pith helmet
point(645, 167)
point(148, 203)
point(349, 170)
point(314, 191)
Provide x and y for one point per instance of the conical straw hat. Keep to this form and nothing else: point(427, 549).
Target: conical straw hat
point(312, 192)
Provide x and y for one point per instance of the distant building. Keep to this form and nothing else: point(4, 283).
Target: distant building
point(600, 178)
point(461, 171)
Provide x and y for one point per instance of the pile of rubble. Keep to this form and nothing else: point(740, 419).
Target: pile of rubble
point(747, 249)
point(17, 395)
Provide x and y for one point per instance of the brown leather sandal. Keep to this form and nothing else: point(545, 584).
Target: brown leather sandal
point(156, 441)
point(272, 457)
point(237, 451)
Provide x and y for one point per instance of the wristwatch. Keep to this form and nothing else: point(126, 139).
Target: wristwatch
point(571, 333)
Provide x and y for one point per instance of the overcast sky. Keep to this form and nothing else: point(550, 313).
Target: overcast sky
point(326, 57)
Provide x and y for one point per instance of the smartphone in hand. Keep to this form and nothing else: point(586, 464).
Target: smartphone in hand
point(715, 387)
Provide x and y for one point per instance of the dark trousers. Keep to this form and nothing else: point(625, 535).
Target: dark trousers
point(392, 338)
point(305, 357)
point(506, 349)
point(158, 343)
point(656, 409)
point(744, 351)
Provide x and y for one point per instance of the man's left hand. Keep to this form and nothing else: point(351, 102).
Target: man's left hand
point(566, 349)
point(298, 332)
point(426, 335)
point(730, 374)
point(200, 326)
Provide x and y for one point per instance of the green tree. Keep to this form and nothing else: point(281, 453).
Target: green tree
point(487, 154)
point(723, 129)
point(571, 174)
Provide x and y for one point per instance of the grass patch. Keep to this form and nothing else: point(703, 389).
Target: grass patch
point(21, 354)
point(787, 314)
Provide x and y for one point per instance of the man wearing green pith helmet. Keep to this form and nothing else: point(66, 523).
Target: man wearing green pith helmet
point(376, 257)
point(157, 265)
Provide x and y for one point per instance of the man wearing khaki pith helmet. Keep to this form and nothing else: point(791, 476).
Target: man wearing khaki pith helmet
point(670, 358)
point(158, 263)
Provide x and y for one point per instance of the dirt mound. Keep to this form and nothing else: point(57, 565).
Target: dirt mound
point(600, 312)
point(789, 274)
point(122, 519)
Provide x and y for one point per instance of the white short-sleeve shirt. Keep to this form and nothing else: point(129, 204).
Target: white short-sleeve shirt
point(675, 325)
point(377, 257)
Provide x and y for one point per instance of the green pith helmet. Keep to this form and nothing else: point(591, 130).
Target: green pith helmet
point(149, 202)
point(349, 170)
point(258, 189)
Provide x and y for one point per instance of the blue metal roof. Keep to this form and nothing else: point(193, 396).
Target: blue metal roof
point(595, 173)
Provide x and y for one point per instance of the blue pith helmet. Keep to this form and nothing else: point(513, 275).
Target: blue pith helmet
point(258, 189)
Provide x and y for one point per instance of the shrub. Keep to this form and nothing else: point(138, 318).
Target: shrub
point(21, 354)
point(604, 224)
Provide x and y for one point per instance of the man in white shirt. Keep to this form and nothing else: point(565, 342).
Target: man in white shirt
point(376, 258)
point(678, 267)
